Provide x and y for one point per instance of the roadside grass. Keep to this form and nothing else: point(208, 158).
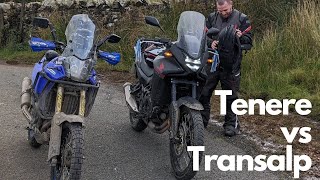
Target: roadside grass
point(286, 63)
point(12, 56)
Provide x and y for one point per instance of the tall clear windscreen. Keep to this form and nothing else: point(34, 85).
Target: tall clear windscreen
point(80, 36)
point(191, 33)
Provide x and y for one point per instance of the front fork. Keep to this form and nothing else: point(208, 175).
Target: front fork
point(56, 128)
point(190, 102)
point(59, 101)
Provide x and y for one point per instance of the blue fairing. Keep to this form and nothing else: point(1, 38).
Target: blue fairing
point(112, 58)
point(36, 69)
point(38, 44)
point(52, 70)
point(93, 78)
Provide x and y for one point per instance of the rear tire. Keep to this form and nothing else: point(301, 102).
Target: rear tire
point(71, 153)
point(136, 123)
point(190, 132)
point(31, 139)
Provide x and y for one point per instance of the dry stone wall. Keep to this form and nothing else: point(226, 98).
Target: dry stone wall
point(16, 18)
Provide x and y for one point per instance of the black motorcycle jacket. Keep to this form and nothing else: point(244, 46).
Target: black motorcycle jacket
point(240, 21)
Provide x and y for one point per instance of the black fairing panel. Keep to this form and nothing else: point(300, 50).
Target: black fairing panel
point(145, 68)
point(165, 66)
point(160, 91)
point(180, 57)
point(143, 78)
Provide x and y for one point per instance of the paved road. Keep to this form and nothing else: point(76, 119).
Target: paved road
point(112, 149)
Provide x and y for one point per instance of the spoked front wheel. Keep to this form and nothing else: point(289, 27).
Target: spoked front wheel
point(189, 132)
point(71, 153)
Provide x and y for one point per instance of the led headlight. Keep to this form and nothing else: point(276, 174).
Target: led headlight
point(193, 64)
point(77, 69)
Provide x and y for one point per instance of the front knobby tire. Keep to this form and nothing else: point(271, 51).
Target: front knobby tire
point(136, 123)
point(70, 160)
point(189, 132)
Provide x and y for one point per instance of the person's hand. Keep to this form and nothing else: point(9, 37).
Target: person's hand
point(214, 44)
point(239, 33)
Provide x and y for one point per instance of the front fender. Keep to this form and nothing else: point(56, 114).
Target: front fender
point(190, 102)
point(56, 131)
point(175, 111)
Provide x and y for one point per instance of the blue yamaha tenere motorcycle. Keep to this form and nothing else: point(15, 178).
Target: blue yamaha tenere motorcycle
point(62, 91)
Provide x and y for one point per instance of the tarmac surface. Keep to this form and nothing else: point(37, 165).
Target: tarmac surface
point(113, 150)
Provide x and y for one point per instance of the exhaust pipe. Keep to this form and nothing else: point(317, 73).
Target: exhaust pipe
point(159, 129)
point(129, 98)
point(26, 98)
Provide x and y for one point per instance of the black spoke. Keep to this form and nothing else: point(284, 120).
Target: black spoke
point(189, 133)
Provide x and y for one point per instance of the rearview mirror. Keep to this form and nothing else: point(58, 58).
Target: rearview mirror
point(40, 22)
point(114, 38)
point(152, 21)
point(213, 32)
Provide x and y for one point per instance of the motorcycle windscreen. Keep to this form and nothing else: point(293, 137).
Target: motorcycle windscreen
point(38, 44)
point(191, 33)
point(80, 36)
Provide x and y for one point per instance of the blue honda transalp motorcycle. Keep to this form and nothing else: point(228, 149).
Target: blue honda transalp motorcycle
point(62, 91)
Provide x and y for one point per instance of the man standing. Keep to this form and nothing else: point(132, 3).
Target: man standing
point(229, 76)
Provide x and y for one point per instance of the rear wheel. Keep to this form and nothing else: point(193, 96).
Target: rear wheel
point(31, 134)
point(136, 123)
point(190, 132)
point(71, 153)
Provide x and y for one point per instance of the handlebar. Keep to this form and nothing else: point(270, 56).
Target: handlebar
point(53, 31)
point(59, 46)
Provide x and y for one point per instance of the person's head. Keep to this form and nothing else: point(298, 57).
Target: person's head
point(224, 7)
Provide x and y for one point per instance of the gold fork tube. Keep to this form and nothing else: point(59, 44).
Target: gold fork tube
point(82, 106)
point(59, 99)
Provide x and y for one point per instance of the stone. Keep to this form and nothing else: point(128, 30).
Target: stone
point(55, 4)
point(5, 7)
point(104, 12)
point(33, 5)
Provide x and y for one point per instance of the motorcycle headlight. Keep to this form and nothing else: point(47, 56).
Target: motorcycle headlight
point(78, 70)
point(193, 64)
